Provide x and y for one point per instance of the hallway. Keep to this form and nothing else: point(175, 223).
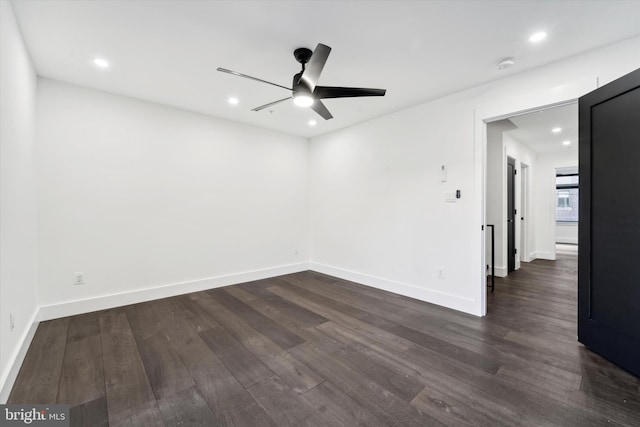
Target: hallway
point(537, 306)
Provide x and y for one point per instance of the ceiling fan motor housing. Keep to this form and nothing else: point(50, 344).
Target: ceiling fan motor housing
point(302, 55)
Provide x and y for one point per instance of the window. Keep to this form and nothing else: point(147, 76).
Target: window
point(563, 199)
point(567, 195)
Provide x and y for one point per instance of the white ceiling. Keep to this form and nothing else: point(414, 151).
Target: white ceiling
point(534, 129)
point(168, 51)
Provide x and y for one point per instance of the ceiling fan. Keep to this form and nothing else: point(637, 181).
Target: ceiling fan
point(305, 90)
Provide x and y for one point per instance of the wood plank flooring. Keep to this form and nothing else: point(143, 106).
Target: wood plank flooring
point(311, 350)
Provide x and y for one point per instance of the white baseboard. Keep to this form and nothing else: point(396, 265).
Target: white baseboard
point(71, 308)
point(428, 295)
point(568, 240)
point(551, 256)
point(15, 361)
point(533, 256)
point(499, 271)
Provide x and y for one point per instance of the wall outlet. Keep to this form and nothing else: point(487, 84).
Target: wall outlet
point(295, 251)
point(12, 321)
point(440, 271)
point(79, 279)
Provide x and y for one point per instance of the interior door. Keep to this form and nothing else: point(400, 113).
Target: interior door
point(511, 225)
point(524, 183)
point(609, 234)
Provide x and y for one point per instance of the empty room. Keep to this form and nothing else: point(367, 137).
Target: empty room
point(319, 213)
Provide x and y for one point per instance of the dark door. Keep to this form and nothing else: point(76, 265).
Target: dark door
point(609, 252)
point(511, 213)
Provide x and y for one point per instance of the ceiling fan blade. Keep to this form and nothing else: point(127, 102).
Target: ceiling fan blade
point(323, 92)
point(235, 73)
point(314, 67)
point(320, 108)
point(262, 107)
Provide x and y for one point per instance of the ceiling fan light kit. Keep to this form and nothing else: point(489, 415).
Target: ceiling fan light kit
point(305, 91)
point(302, 100)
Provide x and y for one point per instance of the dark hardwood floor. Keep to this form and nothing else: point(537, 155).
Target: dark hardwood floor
point(308, 349)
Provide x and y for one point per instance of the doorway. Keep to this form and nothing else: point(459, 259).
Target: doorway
point(493, 110)
point(524, 152)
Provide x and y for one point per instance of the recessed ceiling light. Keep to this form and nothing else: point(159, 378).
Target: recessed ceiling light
point(566, 142)
point(312, 122)
point(538, 37)
point(556, 130)
point(303, 101)
point(102, 63)
point(233, 101)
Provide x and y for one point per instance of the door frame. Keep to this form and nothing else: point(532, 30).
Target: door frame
point(499, 109)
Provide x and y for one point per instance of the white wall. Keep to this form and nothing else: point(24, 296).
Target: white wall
point(378, 206)
point(18, 273)
point(522, 154)
point(545, 198)
point(138, 196)
point(378, 209)
point(500, 146)
point(494, 196)
point(567, 233)
point(496, 193)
